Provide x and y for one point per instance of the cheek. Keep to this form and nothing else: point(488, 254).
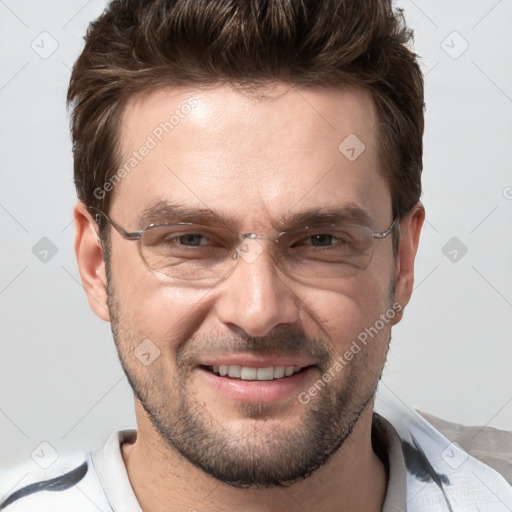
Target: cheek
point(354, 307)
point(175, 313)
point(150, 308)
point(129, 272)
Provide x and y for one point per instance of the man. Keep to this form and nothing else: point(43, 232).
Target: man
point(249, 181)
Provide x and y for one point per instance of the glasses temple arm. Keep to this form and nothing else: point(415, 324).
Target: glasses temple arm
point(135, 235)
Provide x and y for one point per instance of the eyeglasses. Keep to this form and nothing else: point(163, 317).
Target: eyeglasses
point(205, 255)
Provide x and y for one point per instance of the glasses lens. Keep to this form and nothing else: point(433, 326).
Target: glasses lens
point(195, 253)
point(187, 251)
point(328, 252)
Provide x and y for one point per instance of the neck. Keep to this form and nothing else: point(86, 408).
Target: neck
point(353, 479)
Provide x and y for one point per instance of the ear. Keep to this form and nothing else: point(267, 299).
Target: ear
point(410, 228)
point(89, 256)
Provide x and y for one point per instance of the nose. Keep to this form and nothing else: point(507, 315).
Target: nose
point(256, 297)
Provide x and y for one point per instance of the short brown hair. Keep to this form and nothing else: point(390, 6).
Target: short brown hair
point(143, 45)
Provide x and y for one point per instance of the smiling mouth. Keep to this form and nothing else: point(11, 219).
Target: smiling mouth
point(249, 373)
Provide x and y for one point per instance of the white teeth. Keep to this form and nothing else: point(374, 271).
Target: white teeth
point(248, 373)
point(289, 370)
point(234, 371)
point(278, 372)
point(265, 373)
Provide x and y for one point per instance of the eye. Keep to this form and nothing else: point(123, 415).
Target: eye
point(184, 240)
point(190, 240)
point(322, 240)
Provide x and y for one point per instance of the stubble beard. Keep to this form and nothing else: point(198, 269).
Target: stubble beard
point(253, 458)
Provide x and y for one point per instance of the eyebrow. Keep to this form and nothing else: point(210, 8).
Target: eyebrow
point(165, 211)
point(346, 214)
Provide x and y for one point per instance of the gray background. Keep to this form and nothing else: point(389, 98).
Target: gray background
point(60, 381)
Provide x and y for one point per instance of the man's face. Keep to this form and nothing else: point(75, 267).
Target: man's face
point(258, 162)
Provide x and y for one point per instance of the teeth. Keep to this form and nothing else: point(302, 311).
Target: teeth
point(289, 370)
point(247, 373)
point(265, 373)
point(278, 372)
point(234, 371)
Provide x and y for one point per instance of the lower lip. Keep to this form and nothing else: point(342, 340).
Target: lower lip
point(256, 391)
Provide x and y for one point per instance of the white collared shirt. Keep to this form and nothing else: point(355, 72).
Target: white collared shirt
point(426, 472)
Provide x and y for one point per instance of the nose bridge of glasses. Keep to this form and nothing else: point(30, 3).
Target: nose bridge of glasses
point(248, 248)
point(253, 236)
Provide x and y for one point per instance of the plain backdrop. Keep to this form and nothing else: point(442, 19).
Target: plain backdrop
point(60, 381)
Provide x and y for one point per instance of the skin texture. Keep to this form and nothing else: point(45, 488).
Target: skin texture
point(255, 158)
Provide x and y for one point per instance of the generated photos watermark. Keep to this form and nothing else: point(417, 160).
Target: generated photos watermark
point(363, 338)
point(152, 140)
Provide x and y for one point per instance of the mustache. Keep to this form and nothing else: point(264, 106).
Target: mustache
point(279, 342)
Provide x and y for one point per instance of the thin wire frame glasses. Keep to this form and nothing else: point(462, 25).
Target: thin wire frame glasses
point(204, 255)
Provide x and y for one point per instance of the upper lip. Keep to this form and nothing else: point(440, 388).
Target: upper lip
point(255, 361)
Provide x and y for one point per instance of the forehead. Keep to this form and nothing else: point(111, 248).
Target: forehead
point(251, 155)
